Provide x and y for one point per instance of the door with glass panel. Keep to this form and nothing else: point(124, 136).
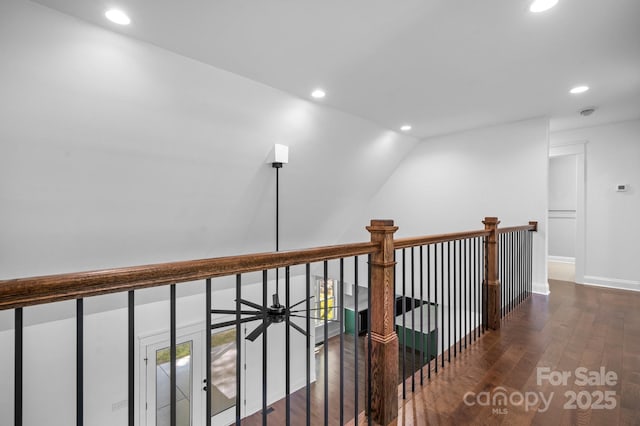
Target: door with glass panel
point(189, 370)
point(190, 374)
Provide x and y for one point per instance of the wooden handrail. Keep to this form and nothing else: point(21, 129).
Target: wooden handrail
point(533, 226)
point(16, 293)
point(431, 239)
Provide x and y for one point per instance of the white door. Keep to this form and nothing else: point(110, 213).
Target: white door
point(190, 375)
point(189, 385)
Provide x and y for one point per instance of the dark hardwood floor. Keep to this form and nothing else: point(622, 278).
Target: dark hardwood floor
point(574, 327)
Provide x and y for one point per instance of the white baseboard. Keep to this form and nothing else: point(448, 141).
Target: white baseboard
point(612, 283)
point(540, 288)
point(561, 259)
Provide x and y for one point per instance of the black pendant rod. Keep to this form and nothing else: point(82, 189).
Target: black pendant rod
point(277, 166)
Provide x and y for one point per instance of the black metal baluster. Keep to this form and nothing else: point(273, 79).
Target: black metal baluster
point(530, 262)
point(341, 317)
point(265, 323)
point(512, 273)
point(287, 344)
point(449, 301)
point(17, 385)
point(326, 343)
point(442, 322)
point(484, 273)
point(172, 356)
point(308, 325)
point(455, 298)
point(525, 268)
point(505, 284)
point(131, 361)
point(421, 320)
point(467, 292)
point(514, 253)
point(438, 305)
point(429, 313)
point(413, 320)
point(525, 265)
point(356, 333)
point(519, 254)
point(239, 367)
point(508, 276)
point(459, 297)
point(404, 326)
point(516, 237)
point(207, 354)
point(481, 269)
point(501, 271)
point(79, 362)
point(369, 420)
point(472, 291)
point(478, 285)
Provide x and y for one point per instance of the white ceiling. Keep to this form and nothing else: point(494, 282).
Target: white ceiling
point(441, 65)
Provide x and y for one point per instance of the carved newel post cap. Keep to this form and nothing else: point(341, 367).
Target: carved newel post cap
point(381, 222)
point(491, 220)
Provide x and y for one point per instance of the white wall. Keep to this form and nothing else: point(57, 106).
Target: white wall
point(450, 183)
point(115, 152)
point(612, 228)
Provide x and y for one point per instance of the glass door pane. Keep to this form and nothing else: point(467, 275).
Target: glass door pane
point(223, 371)
point(184, 385)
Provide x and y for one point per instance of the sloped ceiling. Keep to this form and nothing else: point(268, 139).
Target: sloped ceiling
point(441, 65)
point(117, 153)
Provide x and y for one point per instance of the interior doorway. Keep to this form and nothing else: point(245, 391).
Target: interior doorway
point(566, 221)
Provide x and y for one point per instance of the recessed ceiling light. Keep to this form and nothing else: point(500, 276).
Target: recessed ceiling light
point(318, 94)
point(578, 89)
point(538, 6)
point(117, 16)
point(405, 128)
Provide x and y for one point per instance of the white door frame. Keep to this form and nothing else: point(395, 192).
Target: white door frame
point(577, 148)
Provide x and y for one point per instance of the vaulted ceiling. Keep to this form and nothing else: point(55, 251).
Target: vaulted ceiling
point(440, 65)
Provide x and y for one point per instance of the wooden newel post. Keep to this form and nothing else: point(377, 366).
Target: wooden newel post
point(384, 340)
point(491, 283)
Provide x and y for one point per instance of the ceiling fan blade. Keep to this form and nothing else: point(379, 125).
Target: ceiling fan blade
point(233, 312)
point(222, 311)
point(258, 330)
point(297, 327)
point(234, 322)
point(300, 302)
point(253, 305)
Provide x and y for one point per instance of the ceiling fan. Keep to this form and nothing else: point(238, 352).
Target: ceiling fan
point(276, 313)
